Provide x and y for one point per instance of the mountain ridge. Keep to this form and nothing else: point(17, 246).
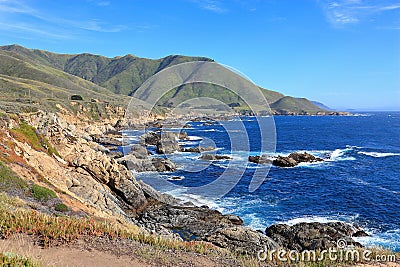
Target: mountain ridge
point(123, 75)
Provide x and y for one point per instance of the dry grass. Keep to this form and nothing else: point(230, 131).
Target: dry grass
point(50, 230)
point(11, 259)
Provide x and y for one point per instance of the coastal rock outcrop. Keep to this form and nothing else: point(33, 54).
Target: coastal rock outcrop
point(198, 149)
point(241, 239)
point(312, 236)
point(150, 138)
point(107, 140)
point(284, 162)
point(139, 151)
point(263, 159)
point(202, 223)
point(294, 159)
point(166, 142)
point(304, 157)
point(106, 171)
point(147, 164)
point(214, 157)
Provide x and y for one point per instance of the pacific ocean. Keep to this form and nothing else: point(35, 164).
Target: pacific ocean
point(358, 181)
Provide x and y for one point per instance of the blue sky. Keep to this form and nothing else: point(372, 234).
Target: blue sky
point(344, 53)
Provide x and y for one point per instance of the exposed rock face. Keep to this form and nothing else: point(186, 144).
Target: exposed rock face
point(294, 159)
point(284, 162)
point(115, 154)
point(139, 151)
point(213, 157)
point(147, 164)
point(150, 138)
point(241, 239)
point(303, 157)
point(183, 136)
point(106, 140)
point(105, 170)
point(167, 144)
point(163, 164)
point(263, 159)
point(120, 124)
point(311, 236)
point(201, 223)
point(198, 149)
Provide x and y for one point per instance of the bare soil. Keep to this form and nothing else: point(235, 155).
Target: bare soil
point(103, 252)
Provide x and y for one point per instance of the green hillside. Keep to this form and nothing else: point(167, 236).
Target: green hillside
point(289, 104)
point(95, 76)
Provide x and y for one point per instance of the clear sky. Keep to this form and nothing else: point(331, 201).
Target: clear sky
point(344, 53)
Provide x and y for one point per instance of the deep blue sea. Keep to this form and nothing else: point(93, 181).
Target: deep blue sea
point(358, 182)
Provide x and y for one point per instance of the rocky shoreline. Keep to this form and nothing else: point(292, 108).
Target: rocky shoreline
point(89, 170)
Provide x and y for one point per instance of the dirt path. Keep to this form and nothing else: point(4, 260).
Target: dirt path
point(65, 255)
point(102, 252)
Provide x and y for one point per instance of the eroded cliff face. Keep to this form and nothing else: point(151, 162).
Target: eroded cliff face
point(97, 184)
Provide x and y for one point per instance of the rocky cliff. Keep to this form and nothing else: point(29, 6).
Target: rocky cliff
point(60, 151)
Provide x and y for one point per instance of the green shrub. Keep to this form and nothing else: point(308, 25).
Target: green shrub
point(42, 193)
point(10, 180)
point(27, 133)
point(61, 207)
point(11, 259)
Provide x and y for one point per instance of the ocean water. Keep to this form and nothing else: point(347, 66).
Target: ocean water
point(358, 182)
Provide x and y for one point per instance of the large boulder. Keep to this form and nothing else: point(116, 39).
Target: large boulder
point(148, 164)
point(163, 164)
point(241, 239)
point(284, 162)
point(204, 224)
point(294, 159)
point(150, 138)
point(115, 154)
point(107, 171)
point(183, 136)
point(139, 151)
point(303, 157)
point(313, 236)
point(168, 143)
point(198, 149)
point(107, 140)
point(263, 159)
point(214, 157)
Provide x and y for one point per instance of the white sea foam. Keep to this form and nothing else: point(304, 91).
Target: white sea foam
point(188, 143)
point(339, 154)
point(389, 239)
point(175, 178)
point(195, 138)
point(321, 219)
point(223, 166)
point(309, 219)
point(210, 130)
point(311, 164)
point(379, 154)
point(199, 200)
point(254, 222)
